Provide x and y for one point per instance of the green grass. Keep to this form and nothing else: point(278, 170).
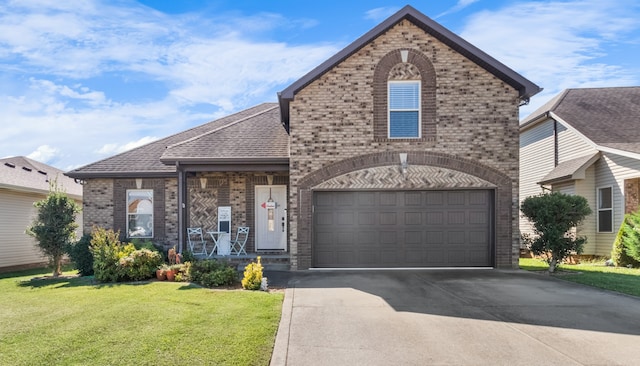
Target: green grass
point(596, 274)
point(77, 322)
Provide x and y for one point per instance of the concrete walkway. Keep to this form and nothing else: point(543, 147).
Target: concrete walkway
point(453, 317)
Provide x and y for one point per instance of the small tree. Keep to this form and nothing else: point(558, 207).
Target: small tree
point(553, 216)
point(54, 226)
point(626, 247)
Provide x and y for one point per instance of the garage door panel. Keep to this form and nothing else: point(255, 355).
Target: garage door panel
point(388, 218)
point(413, 199)
point(413, 218)
point(402, 229)
point(455, 218)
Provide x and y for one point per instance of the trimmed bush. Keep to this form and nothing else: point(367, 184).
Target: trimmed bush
point(81, 256)
point(553, 216)
point(213, 273)
point(138, 265)
point(252, 276)
point(626, 247)
point(115, 261)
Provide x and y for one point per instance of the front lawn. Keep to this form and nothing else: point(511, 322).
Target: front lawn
point(78, 322)
point(596, 274)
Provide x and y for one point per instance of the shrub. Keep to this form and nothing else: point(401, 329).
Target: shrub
point(553, 216)
point(626, 247)
point(138, 265)
point(105, 248)
point(81, 256)
point(252, 276)
point(213, 273)
point(115, 261)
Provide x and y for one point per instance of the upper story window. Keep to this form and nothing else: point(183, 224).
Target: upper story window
point(404, 97)
point(404, 109)
point(605, 210)
point(140, 213)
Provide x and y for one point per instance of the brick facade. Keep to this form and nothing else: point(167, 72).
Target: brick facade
point(469, 125)
point(105, 205)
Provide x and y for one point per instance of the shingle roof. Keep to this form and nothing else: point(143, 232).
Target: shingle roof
point(257, 137)
point(609, 117)
point(525, 87)
point(570, 169)
point(24, 174)
point(145, 160)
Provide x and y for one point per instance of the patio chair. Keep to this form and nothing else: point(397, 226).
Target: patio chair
point(197, 244)
point(238, 245)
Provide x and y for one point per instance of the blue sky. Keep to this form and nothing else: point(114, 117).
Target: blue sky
point(84, 80)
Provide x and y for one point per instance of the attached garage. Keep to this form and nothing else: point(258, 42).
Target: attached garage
point(386, 229)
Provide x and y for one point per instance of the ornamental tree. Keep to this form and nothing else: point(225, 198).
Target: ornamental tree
point(54, 226)
point(553, 217)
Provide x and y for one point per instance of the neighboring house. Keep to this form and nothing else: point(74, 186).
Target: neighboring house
point(399, 151)
point(22, 183)
point(586, 142)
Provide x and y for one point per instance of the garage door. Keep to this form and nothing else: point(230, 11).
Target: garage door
point(378, 229)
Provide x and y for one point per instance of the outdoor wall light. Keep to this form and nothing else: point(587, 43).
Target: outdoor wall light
point(403, 163)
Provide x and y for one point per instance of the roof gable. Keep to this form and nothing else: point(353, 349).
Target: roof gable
point(608, 117)
point(525, 87)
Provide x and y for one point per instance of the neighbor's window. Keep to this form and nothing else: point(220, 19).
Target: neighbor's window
point(140, 213)
point(605, 210)
point(404, 109)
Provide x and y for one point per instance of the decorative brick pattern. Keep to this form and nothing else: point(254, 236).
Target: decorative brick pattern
point(416, 177)
point(471, 118)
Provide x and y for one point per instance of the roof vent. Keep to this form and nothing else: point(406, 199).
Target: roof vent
point(10, 165)
point(41, 172)
point(27, 169)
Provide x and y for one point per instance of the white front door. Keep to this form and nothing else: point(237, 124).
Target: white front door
point(271, 217)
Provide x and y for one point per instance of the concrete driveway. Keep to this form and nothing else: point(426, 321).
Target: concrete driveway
point(453, 317)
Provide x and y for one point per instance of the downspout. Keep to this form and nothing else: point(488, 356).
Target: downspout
point(555, 143)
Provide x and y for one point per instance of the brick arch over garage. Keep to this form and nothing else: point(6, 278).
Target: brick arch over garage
point(503, 195)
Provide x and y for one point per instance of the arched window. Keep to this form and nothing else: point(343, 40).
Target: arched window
point(404, 97)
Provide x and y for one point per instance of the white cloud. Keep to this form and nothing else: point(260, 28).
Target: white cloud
point(44, 154)
point(380, 14)
point(557, 44)
point(55, 58)
point(461, 4)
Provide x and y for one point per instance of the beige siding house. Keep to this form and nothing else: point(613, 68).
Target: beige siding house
point(586, 142)
point(399, 151)
point(22, 183)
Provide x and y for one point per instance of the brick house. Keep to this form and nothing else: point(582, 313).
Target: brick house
point(399, 151)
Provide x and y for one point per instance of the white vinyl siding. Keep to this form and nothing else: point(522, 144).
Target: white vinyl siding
point(587, 189)
point(536, 160)
point(16, 215)
point(612, 170)
point(571, 145)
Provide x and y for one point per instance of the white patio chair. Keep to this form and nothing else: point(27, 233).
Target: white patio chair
point(238, 245)
point(197, 243)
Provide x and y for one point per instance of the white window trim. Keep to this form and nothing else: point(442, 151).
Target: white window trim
point(598, 209)
point(404, 110)
point(127, 214)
